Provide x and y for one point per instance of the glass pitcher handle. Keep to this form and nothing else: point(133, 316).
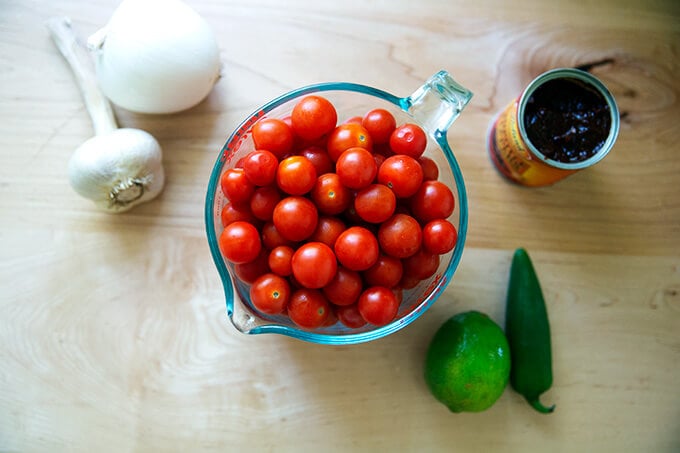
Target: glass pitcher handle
point(437, 103)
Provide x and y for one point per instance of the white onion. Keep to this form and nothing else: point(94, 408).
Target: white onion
point(156, 56)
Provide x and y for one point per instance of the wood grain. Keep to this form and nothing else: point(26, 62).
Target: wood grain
point(113, 335)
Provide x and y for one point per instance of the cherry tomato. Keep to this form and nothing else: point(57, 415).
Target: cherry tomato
point(236, 186)
point(433, 200)
point(298, 142)
point(319, 158)
point(357, 248)
point(295, 218)
point(439, 236)
point(249, 272)
point(353, 119)
point(346, 136)
point(279, 260)
point(387, 272)
point(356, 168)
point(379, 160)
point(233, 213)
point(263, 202)
point(344, 288)
point(349, 316)
point(330, 195)
point(430, 169)
point(271, 238)
point(378, 305)
point(308, 308)
point(314, 265)
point(260, 167)
point(408, 139)
point(421, 265)
point(270, 293)
point(328, 229)
point(375, 203)
point(408, 282)
point(240, 242)
point(400, 236)
point(402, 174)
point(296, 175)
point(273, 135)
point(380, 124)
point(312, 117)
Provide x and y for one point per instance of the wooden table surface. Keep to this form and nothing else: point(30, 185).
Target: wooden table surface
point(113, 335)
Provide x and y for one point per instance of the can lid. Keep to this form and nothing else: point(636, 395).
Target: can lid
point(591, 80)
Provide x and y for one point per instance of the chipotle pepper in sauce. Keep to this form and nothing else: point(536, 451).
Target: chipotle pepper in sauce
point(566, 120)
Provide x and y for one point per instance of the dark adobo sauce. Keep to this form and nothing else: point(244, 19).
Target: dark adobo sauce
point(567, 120)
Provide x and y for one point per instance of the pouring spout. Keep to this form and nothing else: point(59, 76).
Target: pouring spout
point(437, 103)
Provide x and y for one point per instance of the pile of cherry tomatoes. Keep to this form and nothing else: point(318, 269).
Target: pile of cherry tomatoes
point(330, 222)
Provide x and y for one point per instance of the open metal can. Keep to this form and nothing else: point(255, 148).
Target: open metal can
point(564, 121)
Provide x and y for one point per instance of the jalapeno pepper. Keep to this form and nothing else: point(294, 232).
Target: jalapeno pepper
point(528, 333)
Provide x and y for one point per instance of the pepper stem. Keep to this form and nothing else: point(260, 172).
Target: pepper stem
point(536, 404)
point(76, 55)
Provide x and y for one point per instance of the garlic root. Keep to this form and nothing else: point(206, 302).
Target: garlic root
point(117, 168)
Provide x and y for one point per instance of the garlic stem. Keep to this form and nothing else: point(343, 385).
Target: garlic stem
point(78, 58)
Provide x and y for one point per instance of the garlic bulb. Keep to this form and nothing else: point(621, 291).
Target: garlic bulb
point(118, 168)
point(156, 56)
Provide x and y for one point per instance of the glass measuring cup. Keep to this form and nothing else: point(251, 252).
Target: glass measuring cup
point(434, 106)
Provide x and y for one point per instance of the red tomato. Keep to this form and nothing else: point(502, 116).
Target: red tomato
point(308, 308)
point(295, 218)
point(430, 169)
point(298, 142)
point(296, 175)
point(387, 272)
point(402, 174)
point(408, 282)
point(260, 167)
point(314, 265)
point(433, 200)
point(346, 136)
point(273, 135)
point(378, 305)
point(354, 119)
point(279, 260)
point(313, 116)
point(240, 242)
point(271, 238)
point(421, 265)
point(233, 213)
point(349, 316)
point(319, 158)
point(263, 202)
point(330, 195)
point(439, 236)
point(236, 186)
point(328, 229)
point(249, 272)
point(344, 288)
point(357, 248)
point(408, 139)
point(356, 168)
point(375, 203)
point(400, 236)
point(380, 124)
point(270, 293)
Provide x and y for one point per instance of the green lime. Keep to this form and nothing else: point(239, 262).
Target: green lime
point(468, 362)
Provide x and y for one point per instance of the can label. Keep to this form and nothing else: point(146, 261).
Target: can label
point(512, 157)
